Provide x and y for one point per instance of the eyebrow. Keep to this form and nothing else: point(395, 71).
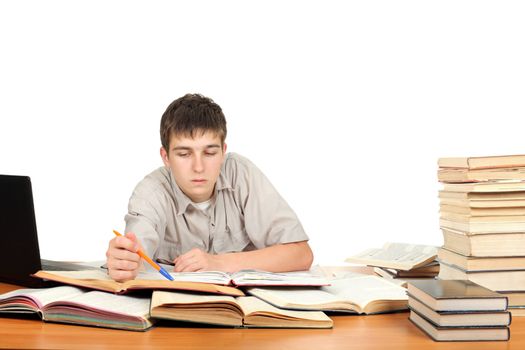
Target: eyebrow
point(185, 148)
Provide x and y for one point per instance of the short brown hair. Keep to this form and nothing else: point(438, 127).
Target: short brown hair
point(190, 114)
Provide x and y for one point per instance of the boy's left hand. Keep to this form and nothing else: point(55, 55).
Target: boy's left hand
point(197, 260)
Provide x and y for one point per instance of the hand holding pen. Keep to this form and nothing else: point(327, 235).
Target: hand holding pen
point(123, 258)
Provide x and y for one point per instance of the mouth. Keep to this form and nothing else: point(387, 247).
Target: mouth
point(198, 181)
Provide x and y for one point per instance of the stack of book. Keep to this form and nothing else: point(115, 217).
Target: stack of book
point(400, 262)
point(482, 206)
point(458, 310)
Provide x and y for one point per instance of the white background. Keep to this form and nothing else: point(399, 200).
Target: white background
point(345, 105)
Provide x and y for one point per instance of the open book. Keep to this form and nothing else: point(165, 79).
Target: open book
point(229, 311)
point(356, 293)
point(67, 304)
point(399, 256)
point(98, 279)
point(253, 278)
point(215, 282)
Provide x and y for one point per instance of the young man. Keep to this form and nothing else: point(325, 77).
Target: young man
point(206, 209)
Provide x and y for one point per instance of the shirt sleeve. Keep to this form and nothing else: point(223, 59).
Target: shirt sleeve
point(145, 218)
point(268, 218)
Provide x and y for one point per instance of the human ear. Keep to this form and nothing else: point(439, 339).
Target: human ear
point(164, 156)
point(224, 146)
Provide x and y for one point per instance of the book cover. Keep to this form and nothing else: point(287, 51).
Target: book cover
point(456, 295)
point(459, 333)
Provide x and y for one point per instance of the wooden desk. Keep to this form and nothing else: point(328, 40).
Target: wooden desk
point(392, 331)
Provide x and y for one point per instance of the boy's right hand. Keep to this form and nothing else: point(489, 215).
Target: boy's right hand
point(123, 262)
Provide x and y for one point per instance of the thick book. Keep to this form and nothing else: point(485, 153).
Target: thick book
point(472, 262)
point(68, 304)
point(356, 293)
point(99, 280)
point(458, 175)
point(486, 186)
point(489, 162)
point(399, 256)
point(481, 212)
point(484, 245)
point(456, 295)
point(460, 318)
point(230, 311)
point(483, 227)
point(501, 281)
point(483, 200)
point(430, 270)
point(438, 333)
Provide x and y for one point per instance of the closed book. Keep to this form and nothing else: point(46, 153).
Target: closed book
point(475, 263)
point(438, 333)
point(229, 311)
point(460, 318)
point(456, 295)
point(454, 175)
point(481, 227)
point(486, 187)
point(483, 200)
point(486, 162)
point(484, 245)
point(482, 212)
point(501, 281)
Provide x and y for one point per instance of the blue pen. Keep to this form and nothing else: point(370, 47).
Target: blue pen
point(156, 266)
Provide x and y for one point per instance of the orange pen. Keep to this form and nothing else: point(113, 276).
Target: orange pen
point(157, 267)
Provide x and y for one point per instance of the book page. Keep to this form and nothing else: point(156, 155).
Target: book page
point(43, 296)
point(401, 256)
point(260, 278)
point(296, 298)
point(175, 298)
point(108, 302)
point(364, 289)
point(253, 305)
point(352, 293)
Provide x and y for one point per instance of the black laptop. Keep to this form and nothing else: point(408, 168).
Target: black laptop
point(19, 251)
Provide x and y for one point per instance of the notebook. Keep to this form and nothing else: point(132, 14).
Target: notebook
point(20, 255)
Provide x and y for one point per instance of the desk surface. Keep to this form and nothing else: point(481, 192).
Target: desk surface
point(392, 331)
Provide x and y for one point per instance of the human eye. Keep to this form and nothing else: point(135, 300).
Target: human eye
point(183, 154)
point(210, 153)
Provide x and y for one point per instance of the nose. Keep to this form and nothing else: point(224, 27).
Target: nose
point(198, 165)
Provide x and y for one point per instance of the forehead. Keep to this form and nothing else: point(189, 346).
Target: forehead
point(197, 140)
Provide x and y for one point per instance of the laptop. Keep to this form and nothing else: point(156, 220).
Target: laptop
point(19, 250)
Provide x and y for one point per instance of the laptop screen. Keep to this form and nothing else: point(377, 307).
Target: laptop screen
point(20, 254)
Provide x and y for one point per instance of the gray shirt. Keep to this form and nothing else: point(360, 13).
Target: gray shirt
point(246, 213)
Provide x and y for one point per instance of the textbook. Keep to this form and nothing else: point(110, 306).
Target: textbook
point(98, 279)
point(490, 162)
point(484, 245)
point(486, 186)
point(473, 262)
point(501, 281)
point(456, 295)
point(484, 227)
point(483, 200)
point(461, 318)
point(466, 175)
point(459, 333)
point(67, 304)
point(399, 256)
point(356, 293)
point(230, 311)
